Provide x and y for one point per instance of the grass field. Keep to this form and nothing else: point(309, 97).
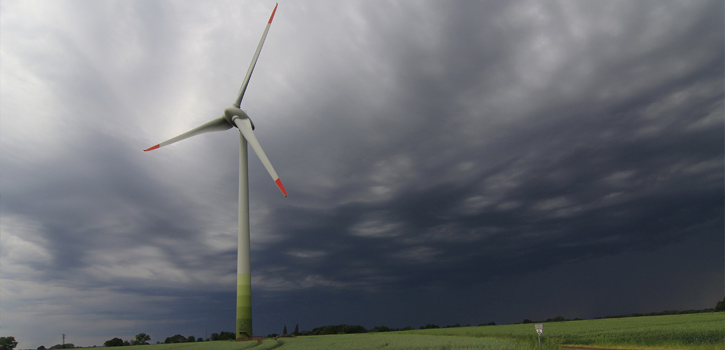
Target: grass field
point(690, 331)
point(364, 341)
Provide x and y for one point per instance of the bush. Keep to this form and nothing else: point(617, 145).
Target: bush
point(8, 343)
point(223, 336)
point(175, 339)
point(113, 342)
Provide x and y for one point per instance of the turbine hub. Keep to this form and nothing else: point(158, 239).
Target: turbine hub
point(232, 113)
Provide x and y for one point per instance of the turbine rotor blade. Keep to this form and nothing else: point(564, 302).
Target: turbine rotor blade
point(242, 89)
point(218, 124)
point(245, 127)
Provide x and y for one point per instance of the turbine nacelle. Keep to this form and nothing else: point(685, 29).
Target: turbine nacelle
point(232, 113)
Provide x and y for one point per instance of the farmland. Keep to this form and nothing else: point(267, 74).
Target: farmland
point(705, 330)
point(394, 341)
point(689, 331)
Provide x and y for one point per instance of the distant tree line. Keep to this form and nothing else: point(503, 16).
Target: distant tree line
point(182, 339)
point(191, 339)
point(223, 336)
point(141, 339)
point(351, 329)
point(720, 307)
point(58, 346)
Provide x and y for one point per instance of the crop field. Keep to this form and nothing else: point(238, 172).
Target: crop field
point(400, 341)
point(365, 341)
point(690, 331)
point(704, 330)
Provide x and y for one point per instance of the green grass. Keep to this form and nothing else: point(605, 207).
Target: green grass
point(689, 331)
point(393, 341)
point(215, 345)
point(705, 330)
point(399, 341)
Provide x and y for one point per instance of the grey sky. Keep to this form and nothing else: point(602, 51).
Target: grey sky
point(446, 162)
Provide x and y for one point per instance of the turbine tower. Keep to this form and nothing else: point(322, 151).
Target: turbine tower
point(234, 116)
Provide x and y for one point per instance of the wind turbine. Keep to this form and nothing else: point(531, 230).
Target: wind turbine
point(234, 116)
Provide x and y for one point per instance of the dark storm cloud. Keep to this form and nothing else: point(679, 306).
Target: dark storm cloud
point(579, 169)
point(438, 156)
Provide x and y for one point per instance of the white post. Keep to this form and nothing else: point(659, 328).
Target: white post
point(539, 330)
point(244, 280)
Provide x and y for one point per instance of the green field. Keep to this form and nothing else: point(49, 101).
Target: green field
point(364, 341)
point(690, 331)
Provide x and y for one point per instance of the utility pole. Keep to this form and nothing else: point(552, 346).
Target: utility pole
point(63, 340)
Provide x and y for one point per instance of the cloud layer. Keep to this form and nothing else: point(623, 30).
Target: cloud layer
point(445, 163)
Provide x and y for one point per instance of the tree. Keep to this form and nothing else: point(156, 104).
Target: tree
point(223, 336)
point(227, 336)
point(720, 305)
point(142, 339)
point(8, 343)
point(284, 331)
point(297, 330)
point(113, 342)
point(175, 339)
point(191, 339)
point(339, 329)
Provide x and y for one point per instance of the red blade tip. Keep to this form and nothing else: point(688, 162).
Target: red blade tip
point(275, 10)
point(152, 148)
point(281, 187)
